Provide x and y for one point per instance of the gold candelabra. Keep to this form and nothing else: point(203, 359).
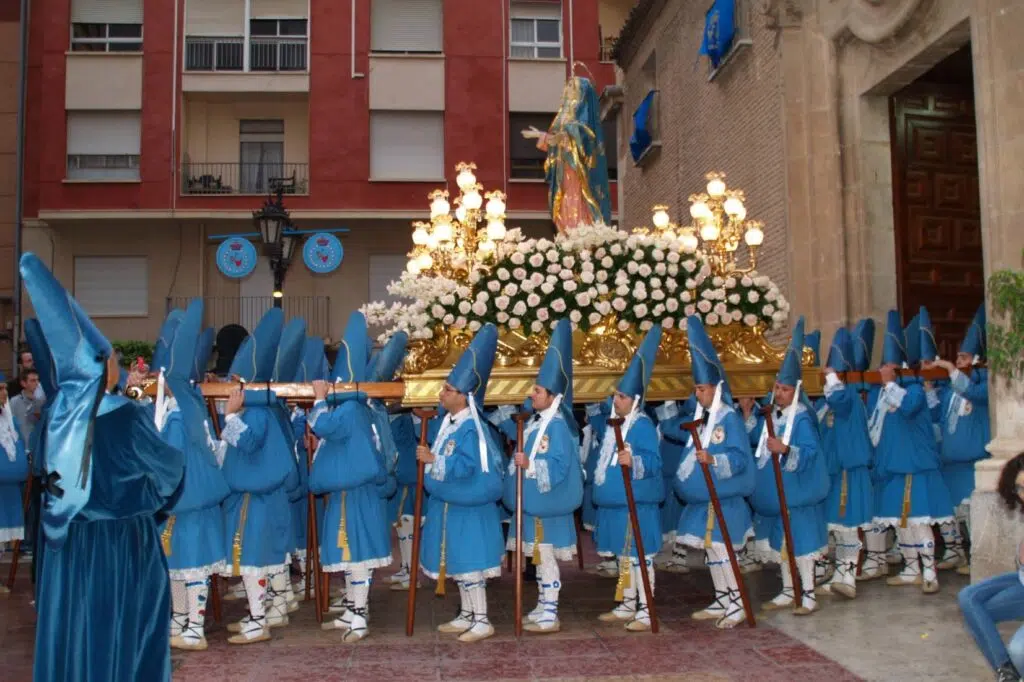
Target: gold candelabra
point(719, 218)
point(455, 242)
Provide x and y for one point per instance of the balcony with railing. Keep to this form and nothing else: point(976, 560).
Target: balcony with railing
point(243, 178)
point(254, 64)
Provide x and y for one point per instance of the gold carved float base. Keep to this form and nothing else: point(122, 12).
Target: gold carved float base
point(599, 358)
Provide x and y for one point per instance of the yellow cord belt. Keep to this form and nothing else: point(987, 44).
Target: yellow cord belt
point(442, 569)
point(236, 545)
point(165, 537)
point(346, 551)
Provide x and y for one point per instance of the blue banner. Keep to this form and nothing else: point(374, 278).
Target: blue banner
point(719, 30)
point(641, 138)
point(236, 257)
point(323, 253)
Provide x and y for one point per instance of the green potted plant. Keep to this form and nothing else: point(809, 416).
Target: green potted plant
point(1006, 333)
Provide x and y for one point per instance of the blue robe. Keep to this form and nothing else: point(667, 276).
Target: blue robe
point(552, 489)
point(596, 423)
point(257, 516)
point(104, 596)
point(648, 492)
point(348, 468)
point(806, 484)
point(962, 416)
point(297, 498)
point(910, 489)
point(405, 432)
point(193, 534)
point(462, 521)
point(733, 474)
point(848, 455)
point(13, 474)
point(672, 444)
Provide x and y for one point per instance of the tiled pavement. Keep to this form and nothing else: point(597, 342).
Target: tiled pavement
point(585, 649)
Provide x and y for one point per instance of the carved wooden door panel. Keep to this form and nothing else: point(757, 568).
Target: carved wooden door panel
point(936, 208)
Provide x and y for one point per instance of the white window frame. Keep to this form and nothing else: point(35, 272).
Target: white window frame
point(123, 165)
point(110, 300)
point(535, 44)
point(106, 41)
point(279, 40)
point(436, 174)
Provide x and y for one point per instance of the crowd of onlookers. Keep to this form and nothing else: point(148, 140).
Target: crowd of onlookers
point(26, 396)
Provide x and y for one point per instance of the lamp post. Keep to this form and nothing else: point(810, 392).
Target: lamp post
point(279, 239)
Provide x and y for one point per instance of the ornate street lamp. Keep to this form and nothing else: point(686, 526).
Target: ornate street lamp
point(279, 240)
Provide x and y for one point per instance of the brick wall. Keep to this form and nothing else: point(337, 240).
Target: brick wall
point(732, 124)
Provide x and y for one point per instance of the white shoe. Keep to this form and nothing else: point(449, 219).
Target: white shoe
point(190, 639)
point(461, 623)
point(625, 611)
point(251, 630)
point(179, 621)
point(734, 613)
point(402, 576)
point(953, 558)
point(481, 629)
point(716, 610)
point(783, 600)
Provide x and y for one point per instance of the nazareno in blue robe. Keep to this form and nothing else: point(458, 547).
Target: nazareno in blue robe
point(104, 596)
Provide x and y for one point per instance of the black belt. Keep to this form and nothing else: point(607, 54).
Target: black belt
point(49, 484)
point(674, 441)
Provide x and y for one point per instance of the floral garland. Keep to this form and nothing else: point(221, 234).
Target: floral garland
point(588, 276)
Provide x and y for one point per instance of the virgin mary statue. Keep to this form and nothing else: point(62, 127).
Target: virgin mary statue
point(576, 168)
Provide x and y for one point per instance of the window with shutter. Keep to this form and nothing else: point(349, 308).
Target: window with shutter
point(527, 159)
point(112, 286)
point(407, 145)
point(106, 26)
point(103, 145)
point(536, 30)
point(407, 26)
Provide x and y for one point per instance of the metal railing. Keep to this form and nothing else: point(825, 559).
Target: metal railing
point(608, 48)
point(210, 53)
point(220, 311)
point(244, 178)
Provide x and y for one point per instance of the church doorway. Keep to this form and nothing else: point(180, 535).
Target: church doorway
point(936, 209)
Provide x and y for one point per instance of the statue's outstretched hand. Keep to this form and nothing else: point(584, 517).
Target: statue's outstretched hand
point(532, 133)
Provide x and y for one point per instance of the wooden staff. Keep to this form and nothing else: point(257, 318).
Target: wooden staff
point(787, 529)
point(578, 518)
point(520, 418)
point(634, 520)
point(875, 377)
point(215, 601)
point(417, 534)
point(297, 392)
point(314, 576)
point(16, 551)
point(717, 506)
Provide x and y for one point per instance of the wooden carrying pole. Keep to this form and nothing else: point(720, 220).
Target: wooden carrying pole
point(417, 533)
point(875, 377)
point(787, 529)
point(520, 445)
point(298, 393)
point(215, 601)
point(314, 577)
point(717, 506)
point(634, 520)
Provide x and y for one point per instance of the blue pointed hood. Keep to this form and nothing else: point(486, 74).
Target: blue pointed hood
point(471, 373)
point(974, 341)
point(705, 364)
point(79, 352)
point(204, 349)
point(813, 341)
point(638, 375)
point(313, 366)
point(181, 352)
point(163, 341)
point(350, 365)
point(41, 358)
point(255, 358)
point(840, 353)
point(790, 372)
point(389, 358)
point(894, 345)
point(929, 347)
point(290, 350)
point(556, 370)
point(863, 340)
point(912, 338)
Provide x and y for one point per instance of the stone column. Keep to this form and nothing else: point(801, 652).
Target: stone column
point(998, 64)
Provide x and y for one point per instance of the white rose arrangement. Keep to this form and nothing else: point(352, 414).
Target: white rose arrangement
point(594, 275)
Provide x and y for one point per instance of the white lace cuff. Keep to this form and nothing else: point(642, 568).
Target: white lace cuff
point(502, 413)
point(960, 381)
point(832, 384)
point(638, 468)
point(666, 411)
point(792, 459)
point(437, 468)
point(319, 409)
point(593, 409)
point(234, 427)
point(540, 472)
point(722, 467)
point(894, 394)
point(932, 396)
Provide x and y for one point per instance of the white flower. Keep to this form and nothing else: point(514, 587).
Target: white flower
point(770, 296)
point(575, 316)
point(552, 255)
point(622, 290)
point(753, 296)
point(460, 322)
point(448, 319)
point(668, 322)
point(568, 261)
point(519, 309)
point(533, 300)
point(672, 305)
point(536, 326)
point(685, 297)
point(537, 260)
point(604, 307)
point(537, 279)
point(689, 265)
point(645, 270)
point(709, 294)
point(640, 309)
point(437, 310)
point(640, 294)
point(465, 307)
point(655, 283)
point(658, 310)
point(502, 317)
point(672, 270)
point(558, 305)
point(554, 269)
point(768, 309)
point(734, 299)
point(672, 257)
point(594, 318)
point(721, 309)
point(607, 262)
point(602, 289)
point(511, 289)
point(543, 314)
point(474, 325)
point(737, 315)
point(704, 306)
point(494, 285)
point(514, 323)
point(587, 265)
point(711, 319)
point(717, 281)
point(660, 269)
point(638, 254)
point(730, 282)
point(658, 295)
point(566, 275)
point(750, 320)
point(527, 285)
point(519, 274)
point(691, 284)
point(689, 310)
point(583, 299)
point(671, 285)
point(503, 274)
point(501, 303)
point(632, 267)
point(778, 316)
point(746, 281)
point(587, 277)
point(645, 325)
point(483, 296)
point(762, 281)
point(518, 258)
point(619, 304)
point(447, 299)
point(547, 287)
point(479, 308)
point(658, 254)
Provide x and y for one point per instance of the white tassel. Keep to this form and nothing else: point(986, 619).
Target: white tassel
point(160, 415)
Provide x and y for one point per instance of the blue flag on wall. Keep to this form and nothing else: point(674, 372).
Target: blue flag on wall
point(641, 138)
point(719, 30)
